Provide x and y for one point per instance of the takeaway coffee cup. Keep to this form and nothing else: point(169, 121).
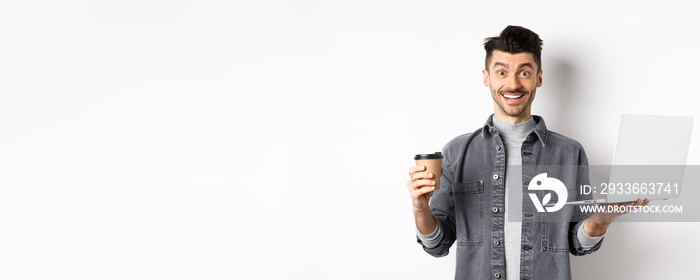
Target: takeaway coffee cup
point(433, 164)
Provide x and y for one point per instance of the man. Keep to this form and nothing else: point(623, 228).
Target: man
point(484, 182)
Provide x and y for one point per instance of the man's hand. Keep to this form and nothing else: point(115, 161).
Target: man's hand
point(598, 223)
point(421, 187)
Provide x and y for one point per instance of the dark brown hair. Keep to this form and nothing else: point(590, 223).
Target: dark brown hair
point(515, 39)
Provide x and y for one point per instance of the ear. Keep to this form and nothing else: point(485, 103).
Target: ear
point(486, 77)
point(539, 78)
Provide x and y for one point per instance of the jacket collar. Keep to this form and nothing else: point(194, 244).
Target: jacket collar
point(540, 130)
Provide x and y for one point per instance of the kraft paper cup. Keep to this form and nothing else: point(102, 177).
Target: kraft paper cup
point(433, 164)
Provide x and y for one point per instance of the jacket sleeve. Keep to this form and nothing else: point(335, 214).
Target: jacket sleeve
point(442, 208)
point(579, 217)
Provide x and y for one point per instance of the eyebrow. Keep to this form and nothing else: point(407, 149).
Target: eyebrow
point(528, 64)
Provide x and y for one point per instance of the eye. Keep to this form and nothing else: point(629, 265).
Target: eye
point(501, 72)
point(525, 73)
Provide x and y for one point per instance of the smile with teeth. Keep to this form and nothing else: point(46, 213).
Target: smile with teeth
point(510, 96)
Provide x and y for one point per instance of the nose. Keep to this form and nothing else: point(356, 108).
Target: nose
point(512, 83)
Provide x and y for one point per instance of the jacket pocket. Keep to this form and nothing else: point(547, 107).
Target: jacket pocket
point(469, 211)
point(555, 226)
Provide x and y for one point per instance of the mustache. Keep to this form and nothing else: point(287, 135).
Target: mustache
point(513, 91)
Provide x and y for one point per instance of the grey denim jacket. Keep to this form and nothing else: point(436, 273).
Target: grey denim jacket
point(469, 205)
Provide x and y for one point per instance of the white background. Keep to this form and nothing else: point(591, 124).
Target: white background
point(271, 139)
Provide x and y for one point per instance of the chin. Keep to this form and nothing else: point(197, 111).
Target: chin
point(516, 113)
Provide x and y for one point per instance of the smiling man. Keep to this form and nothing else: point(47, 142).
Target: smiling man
point(512, 84)
point(483, 182)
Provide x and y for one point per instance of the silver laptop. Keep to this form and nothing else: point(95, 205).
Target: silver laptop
point(649, 160)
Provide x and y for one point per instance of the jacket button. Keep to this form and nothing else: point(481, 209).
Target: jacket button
point(498, 148)
point(497, 275)
point(495, 209)
point(495, 242)
point(495, 176)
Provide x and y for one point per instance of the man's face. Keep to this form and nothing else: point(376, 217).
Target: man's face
point(513, 82)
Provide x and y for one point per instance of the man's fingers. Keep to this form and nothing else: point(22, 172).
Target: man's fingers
point(421, 175)
point(422, 190)
point(421, 183)
point(640, 202)
point(416, 169)
point(412, 185)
